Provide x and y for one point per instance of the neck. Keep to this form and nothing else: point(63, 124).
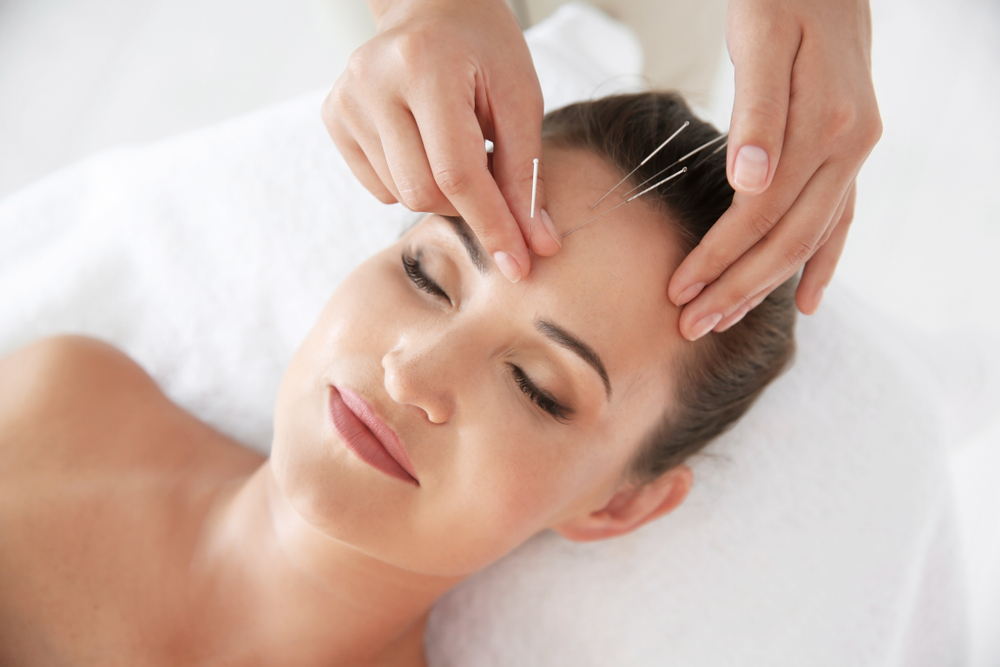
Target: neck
point(272, 588)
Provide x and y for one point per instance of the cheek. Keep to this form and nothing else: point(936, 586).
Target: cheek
point(516, 478)
point(347, 343)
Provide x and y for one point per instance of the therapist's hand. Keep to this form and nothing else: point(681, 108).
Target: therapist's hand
point(804, 121)
point(412, 109)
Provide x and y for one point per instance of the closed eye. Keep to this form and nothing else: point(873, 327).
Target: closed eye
point(421, 280)
point(540, 397)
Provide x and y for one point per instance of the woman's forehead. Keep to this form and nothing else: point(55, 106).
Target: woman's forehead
point(608, 284)
point(615, 294)
point(610, 278)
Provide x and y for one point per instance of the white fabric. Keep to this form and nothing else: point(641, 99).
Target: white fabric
point(820, 530)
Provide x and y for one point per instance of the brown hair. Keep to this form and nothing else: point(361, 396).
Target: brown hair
point(724, 373)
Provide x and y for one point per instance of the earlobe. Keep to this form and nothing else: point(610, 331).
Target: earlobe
point(631, 507)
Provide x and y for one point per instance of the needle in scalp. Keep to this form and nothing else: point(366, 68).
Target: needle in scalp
point(678, 161)
point(722, 146)
point(648, 158)
point(651, 187)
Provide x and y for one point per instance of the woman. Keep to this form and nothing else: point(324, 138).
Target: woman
point(436, 417)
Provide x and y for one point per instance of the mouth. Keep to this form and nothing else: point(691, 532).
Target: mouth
point(369, 437)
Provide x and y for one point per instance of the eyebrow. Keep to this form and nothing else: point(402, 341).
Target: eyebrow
point(470, 242)
point(551, 331)
point(567, 340)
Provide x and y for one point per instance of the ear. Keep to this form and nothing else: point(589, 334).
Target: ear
point(630, 507)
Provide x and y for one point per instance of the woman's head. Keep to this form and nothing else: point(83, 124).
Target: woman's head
point(722, 374)
point(563, 401)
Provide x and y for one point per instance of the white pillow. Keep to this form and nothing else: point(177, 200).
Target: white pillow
point(819, 530)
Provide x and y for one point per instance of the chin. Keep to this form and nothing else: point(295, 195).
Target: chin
point(348, 501)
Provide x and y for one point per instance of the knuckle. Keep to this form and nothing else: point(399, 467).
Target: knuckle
point(796, 252)
point(767, 116)
point(453, 179)
point(358, 65)
point(412, 46)
point(874, 133)
point(331, 109)
point(760, 222)
point(739, 295)
point(849, 122)
point(716, 263)
point(419, 196)
point(842, 119)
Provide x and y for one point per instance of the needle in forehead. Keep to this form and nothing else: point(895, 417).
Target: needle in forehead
point(534, 189)
point(651, 187)
point(648, 158)
point(534, 184)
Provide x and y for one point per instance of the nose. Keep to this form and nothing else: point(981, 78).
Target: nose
point(419, 372)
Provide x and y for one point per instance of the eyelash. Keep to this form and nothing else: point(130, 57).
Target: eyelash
point(540, 397)
point(411, 265)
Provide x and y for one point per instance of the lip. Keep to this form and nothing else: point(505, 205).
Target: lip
point(369, 437)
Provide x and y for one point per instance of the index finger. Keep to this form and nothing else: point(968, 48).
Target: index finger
point(454, 143)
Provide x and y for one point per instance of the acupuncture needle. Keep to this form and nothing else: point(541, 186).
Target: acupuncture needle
point(678, 161)
point(705, 159)
point(534, 189)
point(648, 158)
point(652, 187)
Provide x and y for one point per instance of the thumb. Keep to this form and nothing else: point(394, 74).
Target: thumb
point(763, 51)
point(517, 145)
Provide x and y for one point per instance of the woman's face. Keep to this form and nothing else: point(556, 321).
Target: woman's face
point(519, 406)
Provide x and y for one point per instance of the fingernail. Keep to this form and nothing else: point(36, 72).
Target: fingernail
point(508, 266)
point(750, 171)
point(550, 228)
point(689, 293)
point(733, 319)
point(705, 325)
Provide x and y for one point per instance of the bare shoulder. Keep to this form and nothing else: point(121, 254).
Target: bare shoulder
point(105, 482)
point(68, 374)
point(66, 378)
point(52, 370)
point(75, 400)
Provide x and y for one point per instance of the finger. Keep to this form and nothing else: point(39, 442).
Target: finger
point(407, 163)
point(774, 258)
point(819, 270)
point(748, 219)
point(731, 320)
point(763, 47)
point(358, 161)
point(517, 123)
point(370, 142)
point(347, 119)
point(841, 209)
point(457, 158)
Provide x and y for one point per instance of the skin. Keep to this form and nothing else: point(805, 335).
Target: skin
point(136, 535)
point(442, 75)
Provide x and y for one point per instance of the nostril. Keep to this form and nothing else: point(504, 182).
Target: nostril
point(436, 416)
point(413, 377)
